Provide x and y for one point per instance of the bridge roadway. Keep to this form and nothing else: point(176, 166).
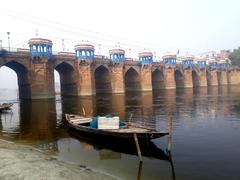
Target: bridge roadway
point(90, 76)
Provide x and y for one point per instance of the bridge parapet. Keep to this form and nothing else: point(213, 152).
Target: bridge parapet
point(11, 54)
point(63, 58)
point(132, 63)
point(157, 64)
point(98, 61)
point(170, 66)
point(21, 58)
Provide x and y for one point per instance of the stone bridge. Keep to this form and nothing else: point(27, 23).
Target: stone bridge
point(90, 76)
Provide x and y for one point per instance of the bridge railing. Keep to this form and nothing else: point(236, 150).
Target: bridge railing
point(155, 63)
point(101, 58)
point(12, 49)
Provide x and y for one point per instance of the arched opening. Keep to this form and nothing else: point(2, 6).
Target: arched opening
point(157, 79)
point(83, 53)
point(132, 80)
point(195, 79)
point(179, 79)
point(219, 77)
point(23, 85)
point(8, 84)
point(102, 80)
point(57, 84)
point(9, 122)
point(68, 85)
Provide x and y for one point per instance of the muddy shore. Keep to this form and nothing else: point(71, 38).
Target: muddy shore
point(25, 162)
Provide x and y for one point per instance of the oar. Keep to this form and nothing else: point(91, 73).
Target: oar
point(137, 146)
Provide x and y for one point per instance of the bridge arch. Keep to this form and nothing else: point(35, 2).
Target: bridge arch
point(22, 78)
point(195, 78)
point(132, 80)
point(101, 65)
point(179, 78)
point(102, 79)
point(68, 79)
point(129, 67)
point(57, 63)
point(157, 79)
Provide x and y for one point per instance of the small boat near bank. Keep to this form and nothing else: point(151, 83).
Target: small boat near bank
point(113, 130)
point(5, 106)
point(148, 149)
point(124, 132)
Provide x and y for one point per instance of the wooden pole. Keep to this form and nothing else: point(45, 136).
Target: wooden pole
point(170, 128)
point(138, 148)
point(139, 171)
point(172, 166)
point(170, 133)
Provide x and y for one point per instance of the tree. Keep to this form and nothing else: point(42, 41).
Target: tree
point(235, 57)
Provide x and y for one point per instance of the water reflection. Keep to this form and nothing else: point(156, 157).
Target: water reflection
point(118, 105)
point(118, 162)
point(9, 124)
point(184, 102)
point(148, 150)
point(79, 105)
point(200, 116)
point(38, 120)
point(165, 101)
point(109, 151)
point(139, 106)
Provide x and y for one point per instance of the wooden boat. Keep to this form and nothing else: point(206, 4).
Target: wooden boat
point(147, 149)
point(82, 125)
point(5, 106)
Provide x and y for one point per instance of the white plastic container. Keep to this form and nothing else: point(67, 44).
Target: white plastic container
point(108, 123)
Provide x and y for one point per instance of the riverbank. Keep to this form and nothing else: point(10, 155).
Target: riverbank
point(25, 162)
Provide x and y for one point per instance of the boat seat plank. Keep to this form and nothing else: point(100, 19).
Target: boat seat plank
point(130, 129)
point(81, 119)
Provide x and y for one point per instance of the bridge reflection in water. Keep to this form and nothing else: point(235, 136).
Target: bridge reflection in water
point(42, 119)
point(41, 123)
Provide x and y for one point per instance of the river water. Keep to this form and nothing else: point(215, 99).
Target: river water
point(205, 142)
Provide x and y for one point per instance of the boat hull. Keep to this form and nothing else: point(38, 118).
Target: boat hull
point(116, 135)
point(148, 149)
point(143, 134)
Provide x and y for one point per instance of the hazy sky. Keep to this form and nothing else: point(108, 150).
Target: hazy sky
point(158, 25)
